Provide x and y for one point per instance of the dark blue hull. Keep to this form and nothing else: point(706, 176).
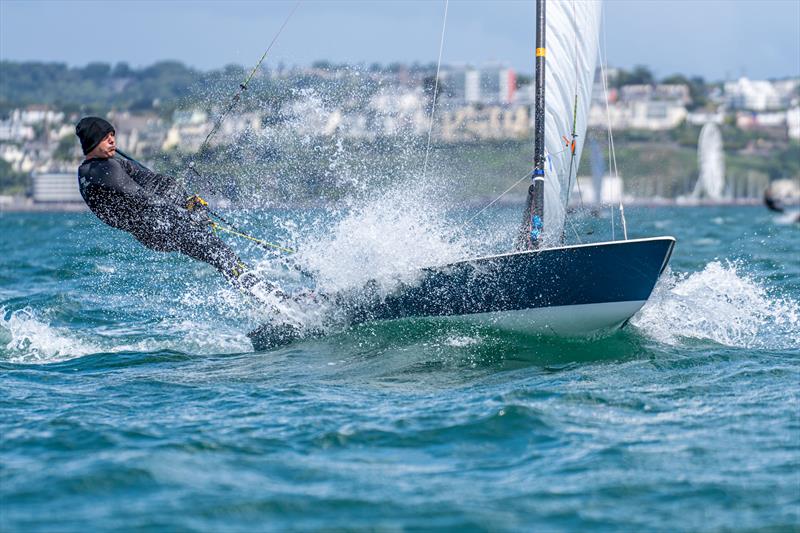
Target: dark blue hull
point(567, 290)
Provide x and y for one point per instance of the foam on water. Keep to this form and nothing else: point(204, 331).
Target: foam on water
point(462, 341)
point(788, 218)
point(719, 304)
point(388, 239)
point(28, 338)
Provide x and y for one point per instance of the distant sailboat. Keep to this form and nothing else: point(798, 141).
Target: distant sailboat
point(783, 196)
point(544, 287)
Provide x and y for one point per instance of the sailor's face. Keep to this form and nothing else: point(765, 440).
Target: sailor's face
point(107, 147)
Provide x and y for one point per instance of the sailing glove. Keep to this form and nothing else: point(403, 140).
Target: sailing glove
point(195, 202)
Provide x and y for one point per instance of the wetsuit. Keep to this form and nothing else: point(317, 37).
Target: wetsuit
point(151, 207)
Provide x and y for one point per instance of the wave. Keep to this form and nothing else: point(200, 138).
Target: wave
point(28, 338)
point(719, 304)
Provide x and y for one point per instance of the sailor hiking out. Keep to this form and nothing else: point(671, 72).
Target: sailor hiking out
point(154, 208)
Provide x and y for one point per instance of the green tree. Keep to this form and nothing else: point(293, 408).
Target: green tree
point(12, 182)
point(698, 91)
point(640, 75)
point(65, 151)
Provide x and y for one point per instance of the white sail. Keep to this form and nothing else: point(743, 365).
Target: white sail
point(571, 39)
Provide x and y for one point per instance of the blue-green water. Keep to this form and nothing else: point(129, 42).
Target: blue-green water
point(131, 399)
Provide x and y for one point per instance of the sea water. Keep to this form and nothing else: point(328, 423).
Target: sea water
point(132, 400)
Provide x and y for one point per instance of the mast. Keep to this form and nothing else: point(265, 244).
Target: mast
point(531, 231)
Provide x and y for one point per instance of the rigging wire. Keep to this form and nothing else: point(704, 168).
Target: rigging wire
point(612, 151)
point(237, 96)
point(435, 92)
point(490, 204)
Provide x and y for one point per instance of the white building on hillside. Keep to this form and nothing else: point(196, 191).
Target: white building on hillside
point(642, 115)
point(490, 85)
point(754, 95)
point(15, 131)
point(793, 122)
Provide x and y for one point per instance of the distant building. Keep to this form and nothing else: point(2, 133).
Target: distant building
point(793, 122)
point(398, 110)
point(640, 114)
point(678, 93)
point(748, 120)
point(36, 114)
point(56, 188)
point(462, 84)
point(788, 91)
point(645, 107)
point(469, 123)
point(189, 129)
point(472, 87)
point(490, 85)
point(603, 91)
point(703, 117)
point(189, 117)
point(754, 95)
point(14, 156)
point(15, 131)
point(140, 134)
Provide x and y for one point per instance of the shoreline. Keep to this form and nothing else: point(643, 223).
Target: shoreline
point(75, 207)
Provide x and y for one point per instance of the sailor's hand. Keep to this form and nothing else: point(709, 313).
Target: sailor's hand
point(200, 216)
point(195, 203)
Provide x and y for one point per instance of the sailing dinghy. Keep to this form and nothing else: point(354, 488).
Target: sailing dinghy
point(543, 287)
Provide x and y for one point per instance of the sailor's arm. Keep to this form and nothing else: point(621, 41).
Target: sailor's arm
point(160, 185)
point(113, 176)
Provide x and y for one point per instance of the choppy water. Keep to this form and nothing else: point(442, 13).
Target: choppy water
point(131, 399)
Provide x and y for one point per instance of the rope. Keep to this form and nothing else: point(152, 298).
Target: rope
point(218, 227)
point(233, 230)
point(435, 92)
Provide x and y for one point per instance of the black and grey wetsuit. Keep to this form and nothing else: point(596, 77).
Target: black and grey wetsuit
point(150, 207)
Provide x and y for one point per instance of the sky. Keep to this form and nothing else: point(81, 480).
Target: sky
point(716, 39)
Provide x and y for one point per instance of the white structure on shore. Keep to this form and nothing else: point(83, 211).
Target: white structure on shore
point(755, 95)
point(611, 190)
point(56, 188)
point(711, 162)
point(641, 107)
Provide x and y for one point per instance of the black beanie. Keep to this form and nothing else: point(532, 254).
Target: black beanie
point(92, 130)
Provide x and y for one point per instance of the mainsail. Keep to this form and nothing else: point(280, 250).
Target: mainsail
point(571, 38)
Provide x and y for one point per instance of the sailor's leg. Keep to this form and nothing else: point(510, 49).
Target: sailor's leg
point(199, 242)
point(207, 247)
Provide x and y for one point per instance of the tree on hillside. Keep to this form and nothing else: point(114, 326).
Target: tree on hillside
point(640, 75)
point(697, 88)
